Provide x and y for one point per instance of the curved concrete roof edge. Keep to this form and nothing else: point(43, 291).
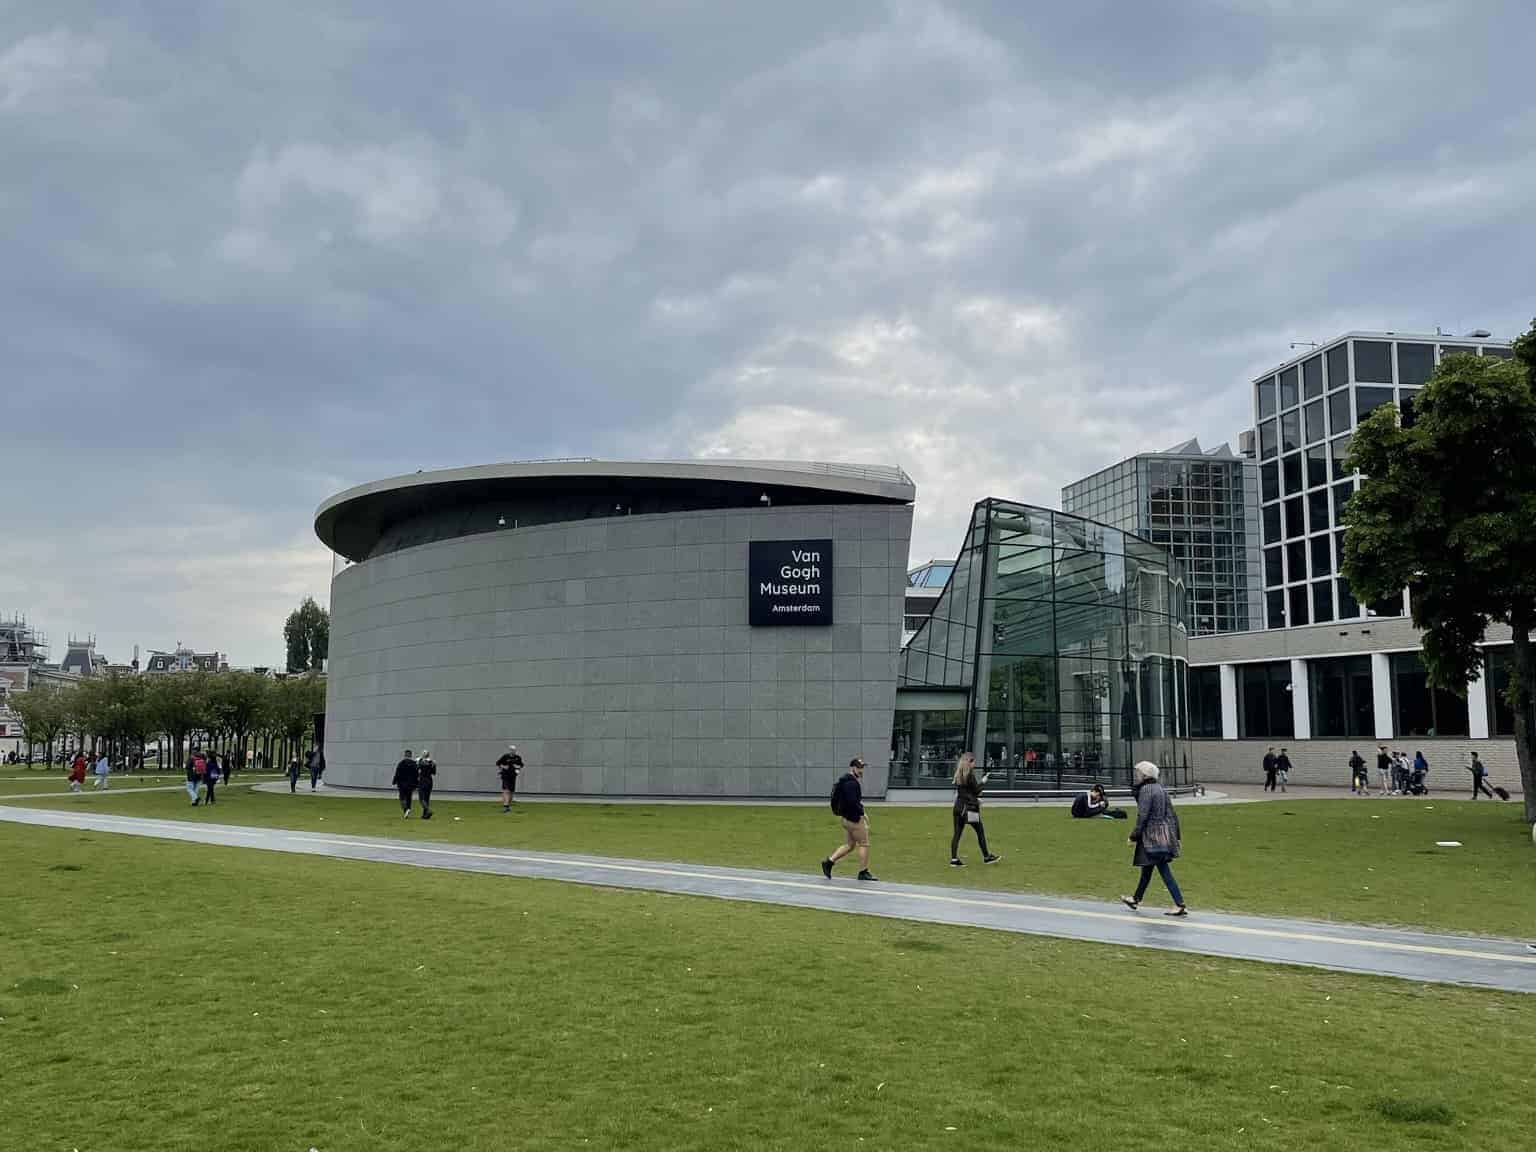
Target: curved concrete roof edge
point(881, 481)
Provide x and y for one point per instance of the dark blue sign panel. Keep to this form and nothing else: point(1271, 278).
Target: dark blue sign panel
point(789, 582)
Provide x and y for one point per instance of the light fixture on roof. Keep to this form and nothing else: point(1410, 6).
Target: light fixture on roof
point(764, 499)
point(501, 521)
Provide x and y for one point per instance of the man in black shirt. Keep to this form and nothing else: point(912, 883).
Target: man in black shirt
point(405, 779)
point(1271, 766)
point(848, 803)
point(426, 773)
point(511, 767)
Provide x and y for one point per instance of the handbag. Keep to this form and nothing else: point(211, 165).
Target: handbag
point(1157, 840)
point(972, 816)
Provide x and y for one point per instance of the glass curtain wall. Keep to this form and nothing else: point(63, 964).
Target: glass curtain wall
point(1071, 640)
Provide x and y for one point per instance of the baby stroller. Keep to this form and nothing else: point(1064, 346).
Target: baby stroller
point(1416, 785)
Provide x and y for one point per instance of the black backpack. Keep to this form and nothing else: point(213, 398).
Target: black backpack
point(837, 789)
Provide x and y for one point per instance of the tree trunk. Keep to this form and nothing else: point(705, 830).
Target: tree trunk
point(1525, 709)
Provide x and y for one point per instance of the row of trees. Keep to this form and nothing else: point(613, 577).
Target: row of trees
point(122, 715)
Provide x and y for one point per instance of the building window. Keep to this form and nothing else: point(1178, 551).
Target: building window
point(1322, 557)
point(1266, 393)
point(1312, 416)
point(1367, 400)
point(1264, 692)
point(1293, 521)
point(1498, 670)
point(1349, 608)
point(1339, 415)
point(1290, 430)
point(1296, 560)
point(1298, 606)
point(1269, 482)
point(1322, 602)
point(1274, 608)
point(1498, 353)
point(1288, 396)
point(1205, 703)
point(1414, 363)
point(1420, 710)
point(1272, 524)
point(1337, 359)
point(1268, 445)
point(1312, 378)
point(1341, 497)
point(1317, 509)
point(1291, 470)
point(1342, 701)
point(1317, 465)
point(1392, 606)
point(1373, 362)
point(1339, 450)
point(1272, 572)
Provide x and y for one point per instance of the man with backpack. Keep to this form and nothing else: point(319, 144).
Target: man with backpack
point(848, 804)
point(406, 776)
point(426, 776)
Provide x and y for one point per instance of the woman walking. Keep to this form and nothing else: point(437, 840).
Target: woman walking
point(968, 810)
point(1156, 837)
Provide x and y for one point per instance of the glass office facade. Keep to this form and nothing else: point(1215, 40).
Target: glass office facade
point(1305, 482)
point(1068, 639)
point(1204, 509)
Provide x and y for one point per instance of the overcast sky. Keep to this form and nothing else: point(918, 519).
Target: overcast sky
point(252, 254)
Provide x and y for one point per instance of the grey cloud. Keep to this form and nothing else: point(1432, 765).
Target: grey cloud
point(256, 254)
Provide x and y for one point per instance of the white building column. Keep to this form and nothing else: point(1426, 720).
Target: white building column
point(1381, 694)
point(1229, 702)
point(1477, 708)
point(1301, 701)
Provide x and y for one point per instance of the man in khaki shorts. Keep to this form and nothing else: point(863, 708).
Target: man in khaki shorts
point(848, 803)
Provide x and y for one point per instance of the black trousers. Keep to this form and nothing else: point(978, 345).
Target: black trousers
point(425, 788)
point(1479, 786)
point(211, 784)
point(293, 783)
point(960, 826)
point(405, 797)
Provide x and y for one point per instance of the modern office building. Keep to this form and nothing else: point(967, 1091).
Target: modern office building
point(705, 628)
point(1056, 654)
point(1203, 507)
point(924, 585)
point(1324, 674)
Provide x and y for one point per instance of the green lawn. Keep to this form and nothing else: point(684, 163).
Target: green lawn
point(1368, 861)
point(39, 783)
point(164, 996)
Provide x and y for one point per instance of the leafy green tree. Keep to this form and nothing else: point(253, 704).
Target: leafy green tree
point(44, 715)
point(308, 636)
point(237, 705)
point(177, 705)
point(1448, 510)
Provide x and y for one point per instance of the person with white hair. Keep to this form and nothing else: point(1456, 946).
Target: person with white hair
point(511, 767)
point(1156, 837)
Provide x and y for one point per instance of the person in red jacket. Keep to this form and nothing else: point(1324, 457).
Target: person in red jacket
point(77, 773)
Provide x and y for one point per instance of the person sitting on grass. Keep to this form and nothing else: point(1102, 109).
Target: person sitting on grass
point(1087, 805)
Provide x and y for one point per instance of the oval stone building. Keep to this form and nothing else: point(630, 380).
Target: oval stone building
point(691, 628)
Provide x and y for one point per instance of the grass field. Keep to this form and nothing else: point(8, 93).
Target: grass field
point(1363, 861)
point(163, 996)
point(39, 783)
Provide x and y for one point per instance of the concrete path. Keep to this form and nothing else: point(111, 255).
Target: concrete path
point(1418, 956)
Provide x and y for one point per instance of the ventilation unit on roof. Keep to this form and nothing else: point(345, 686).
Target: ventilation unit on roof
point(1479, 333)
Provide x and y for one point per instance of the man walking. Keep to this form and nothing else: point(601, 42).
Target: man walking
point(1271, 766)
point(212, 774)
point(426, 772)
point(848, 803)
point(510, 766)
point(293, 775)
point(1384, 768)
point(1479, 778)
point(316, 759)
point(1359, 782)
point(103, 770)
point(405, 780)
point(1282, 768)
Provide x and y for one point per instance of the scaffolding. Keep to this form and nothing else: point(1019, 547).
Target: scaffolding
point(20, 643)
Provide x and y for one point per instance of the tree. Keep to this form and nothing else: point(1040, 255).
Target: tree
point(237, 702)
point(293, 705)
point(1448, 510)
point(44, 715)
point(178, 706)
point(308, 636)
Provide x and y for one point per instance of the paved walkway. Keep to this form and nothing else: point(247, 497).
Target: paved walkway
point(1418, 956)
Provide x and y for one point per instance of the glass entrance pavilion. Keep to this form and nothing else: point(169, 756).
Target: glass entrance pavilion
point(1057, 654)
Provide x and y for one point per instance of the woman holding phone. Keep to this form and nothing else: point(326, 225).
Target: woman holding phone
point(967, 810)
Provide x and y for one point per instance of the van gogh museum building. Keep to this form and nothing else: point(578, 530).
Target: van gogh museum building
point(734, 629)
